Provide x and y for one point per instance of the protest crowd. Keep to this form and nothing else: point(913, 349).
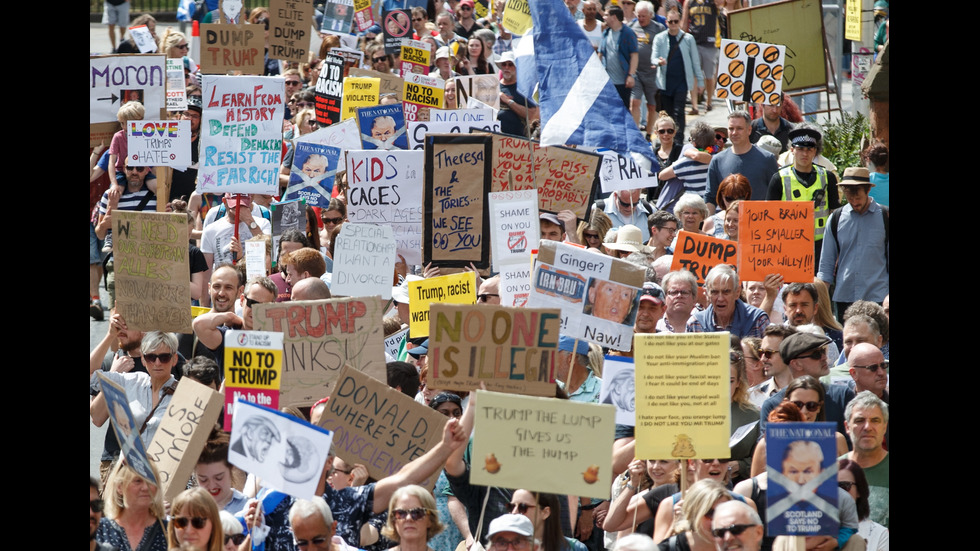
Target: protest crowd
point(383, 230)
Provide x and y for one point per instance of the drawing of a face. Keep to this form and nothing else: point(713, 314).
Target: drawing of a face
point(383, 128)
point(231, 9)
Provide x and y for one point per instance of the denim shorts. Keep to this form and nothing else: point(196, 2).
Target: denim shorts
point(94, 246)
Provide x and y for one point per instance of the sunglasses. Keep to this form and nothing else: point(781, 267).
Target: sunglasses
point(418, 19)
point(250, 302)
point(485, 296)
point(521, 507)
point(873, 367)
point(183, 46)
point(734, 356)
point(335, 471)
point(810, 406)
point(303, 544)
point(674, 21)
point(507, 64)
point(846, 485)
point(331, 220)
point(763, 352)
point(134, 168)
point(196, 522)
point(96, 505)
point(163, 358)
point(816, 355)
point(416, 513)
point(590, 235)
point(293, 82)
point(720, 137)
point(304, 104)
point(461, 8)
point(263, 22)
point(237, 539)
point(722, 461)
point(735, 529)
point(311, 122)
point(380, 59)
point(665, 131)
point(678, 293)
point(710, 515)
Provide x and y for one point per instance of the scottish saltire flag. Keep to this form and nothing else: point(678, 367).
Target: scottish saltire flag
point(527, 73)
point(579, 104)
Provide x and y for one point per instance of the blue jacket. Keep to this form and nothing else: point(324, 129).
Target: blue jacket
point(689, 52)
point(743, 318)
point(627, 46)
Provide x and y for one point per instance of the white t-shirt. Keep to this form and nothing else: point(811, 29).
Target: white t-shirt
point(595, 35)
point(216, 238)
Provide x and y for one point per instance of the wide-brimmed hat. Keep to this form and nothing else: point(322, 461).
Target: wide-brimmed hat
point(856, 176)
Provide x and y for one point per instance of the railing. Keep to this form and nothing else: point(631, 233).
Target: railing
point(164, 8)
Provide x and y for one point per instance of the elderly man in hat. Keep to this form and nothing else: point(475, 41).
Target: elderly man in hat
point(855, 253)
point(516, 110)
point(511, 532)
point(805, 181)
point(628, 240)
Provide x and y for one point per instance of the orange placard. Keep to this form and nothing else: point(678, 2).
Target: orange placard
point(698, 253)
point(775, 237)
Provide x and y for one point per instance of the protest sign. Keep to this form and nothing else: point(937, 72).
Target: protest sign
point(485, 88)
point(127, 433)
point(329, 90)
point(461, 115)
point(176, 85)
point(682, 395)
point(620, 172)
point(517, 16)
point(320, 337)
point(510, 349)
point(382, 127)
point(363, 15)
point(598, 295)
point(289, 23)
point(352, 56)
point(453, 289)
point(515, 284)
point(114, 80)
point(152, 270)
point(698, 253)
point(775, 237)
point(457, 182)
point(159, 143)
point(787, 24)
point(286, 215)
point(390, 83)
point(619, 389)
point(415, 56)
point(253, 369)
point(286, 452)
point(565, 178)
point(241, 134)
point(338, 16)
point(386, 188)
point(397, 29)
point(750, 71)
point(543, 444)
point(311, 177)
point(359, 92)
point(422, 93)
point(364, 261)
point(230, 47)
point(379, 427)
point(343, 135)
point(801, 462)
point(394, 341)
point(254, 258)
point(514, 227)
point(182, 434)
point(143, 38)
point(417, 130)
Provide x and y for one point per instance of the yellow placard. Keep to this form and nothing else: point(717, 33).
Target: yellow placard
point(452, 289)
point(417, 56)
point(682, 395)
point(852, 20)
point(517, 16)
point(543, 444)
point(359, 92)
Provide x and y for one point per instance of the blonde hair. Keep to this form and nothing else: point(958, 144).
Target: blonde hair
point(700, 499)
point(131, 111)
point(170, 39)
point(120, 478)
point(824, 317)
point(428, 502)
point(197, 502)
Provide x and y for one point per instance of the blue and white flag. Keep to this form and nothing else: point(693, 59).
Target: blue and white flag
point(579, 104)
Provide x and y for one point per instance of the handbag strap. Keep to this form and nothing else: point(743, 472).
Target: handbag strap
point(167, 391)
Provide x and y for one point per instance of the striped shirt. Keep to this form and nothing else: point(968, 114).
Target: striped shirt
point(693, 174)
point(130, 200)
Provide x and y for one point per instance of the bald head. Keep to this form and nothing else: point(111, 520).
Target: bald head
point(862, 357)
point(311, 288)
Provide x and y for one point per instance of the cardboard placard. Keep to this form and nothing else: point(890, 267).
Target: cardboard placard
point(338, 16)
point(382, 127)
point(485, 88)
point(775, 237)
point(598, 295)
point(312, 175)
point(461, 115)
point(329, 91)
point(682, 395)
point(457, 182)
point(414, 58)
point(619, 388)
point(422, 93)
point(359, 92)
point(698, 253)
point(565, 178)
point(159, 143)
point(515, 227)
point(253, 369)
point(287, 453)
point(289, 36)
point(227, 47)
point(543, 444)
point(453, 289)
point(364, 261)
point(379, 427)
point(397, 28)
point(182, 434)
point(390, 83)
point(795, 24)
point(417, 130)
point(241, 134)
point(127, 433)
point(801, 462)
point(152, 270)
point(320, 337)
point(386, 188)
point(116, 79)
point(510, 349)
point(750, 71)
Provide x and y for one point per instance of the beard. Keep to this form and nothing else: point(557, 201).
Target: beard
point(129, 346)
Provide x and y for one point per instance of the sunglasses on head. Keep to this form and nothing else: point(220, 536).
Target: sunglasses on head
point(237, 539)
point(196, 522)
point(96, 505)
point(163, 358)
point(521, 507)
point(416, 513)
point(810, 406)
point(735, 529)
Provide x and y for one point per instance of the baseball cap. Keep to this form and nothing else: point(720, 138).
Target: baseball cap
point(519, 524)
point(553, 218)
point(568, 345)
point(233, 199)
point(507, 56)
point(652, 292)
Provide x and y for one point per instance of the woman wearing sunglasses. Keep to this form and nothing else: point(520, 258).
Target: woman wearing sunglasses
point(692, 529)
point(134, 515)
point(592, 233)
point(233, 532)
point(545, 513)
point(852, 480)
point(412, 519)
point(195, 522)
